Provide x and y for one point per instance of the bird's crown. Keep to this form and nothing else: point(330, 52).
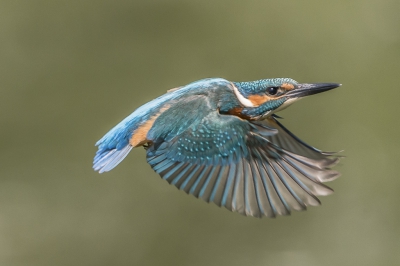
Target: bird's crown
point(265, 86)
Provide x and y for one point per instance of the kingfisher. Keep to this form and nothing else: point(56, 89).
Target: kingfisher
point(222, 141)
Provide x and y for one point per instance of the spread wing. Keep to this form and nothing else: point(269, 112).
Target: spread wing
point(254, 168)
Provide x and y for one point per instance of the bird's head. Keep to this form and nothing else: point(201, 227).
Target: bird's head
point(262, 98)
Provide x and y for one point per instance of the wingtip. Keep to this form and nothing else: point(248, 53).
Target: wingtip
point(329, 176)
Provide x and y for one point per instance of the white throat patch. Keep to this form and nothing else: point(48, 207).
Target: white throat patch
point(286, 104)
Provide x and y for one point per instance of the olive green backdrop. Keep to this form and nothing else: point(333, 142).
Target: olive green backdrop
point(70, 70)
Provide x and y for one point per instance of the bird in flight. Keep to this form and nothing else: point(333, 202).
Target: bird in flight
point(223, 142)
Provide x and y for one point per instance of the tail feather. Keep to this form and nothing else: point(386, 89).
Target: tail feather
point(106, 159)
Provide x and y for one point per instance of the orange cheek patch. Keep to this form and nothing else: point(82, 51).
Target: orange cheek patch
point(139, 137)
point(258, 100)
point(287, 86)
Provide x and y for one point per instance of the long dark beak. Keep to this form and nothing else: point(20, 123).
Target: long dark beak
point(306, 89)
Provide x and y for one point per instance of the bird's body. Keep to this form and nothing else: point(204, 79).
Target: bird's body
point(221, 141)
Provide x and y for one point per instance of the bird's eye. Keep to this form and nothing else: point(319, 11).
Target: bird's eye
point(272, 90)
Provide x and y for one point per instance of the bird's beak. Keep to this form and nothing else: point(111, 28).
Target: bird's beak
point(306, 89)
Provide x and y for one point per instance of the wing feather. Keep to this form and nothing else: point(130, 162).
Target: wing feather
point(238, 190)
point(253, 168)
point(252, 208)
point(264, 193)
point(228, 190)
point(219, 186)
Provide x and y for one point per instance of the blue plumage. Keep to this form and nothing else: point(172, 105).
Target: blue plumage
point(221, 141)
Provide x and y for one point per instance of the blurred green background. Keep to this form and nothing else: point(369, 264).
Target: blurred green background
point(70, 70)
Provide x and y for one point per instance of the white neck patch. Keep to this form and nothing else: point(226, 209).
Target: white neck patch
point(286, 104)
point(241, 98)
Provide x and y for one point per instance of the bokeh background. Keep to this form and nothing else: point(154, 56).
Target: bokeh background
point(70, 70)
